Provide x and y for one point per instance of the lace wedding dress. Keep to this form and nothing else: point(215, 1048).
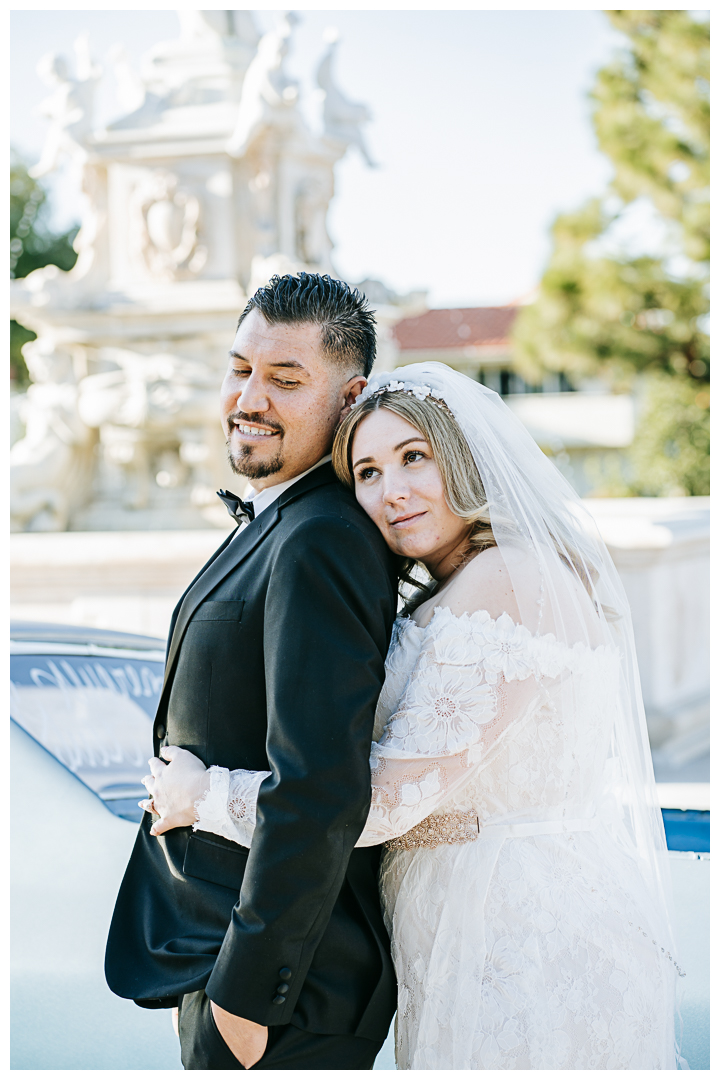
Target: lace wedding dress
point(524, 929)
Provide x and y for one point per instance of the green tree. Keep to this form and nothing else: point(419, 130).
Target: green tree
point(605, 309)
point(670, 454)
point(32, 245)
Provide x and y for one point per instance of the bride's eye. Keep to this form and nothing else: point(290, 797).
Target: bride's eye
point(414, 455)
point(366, 474)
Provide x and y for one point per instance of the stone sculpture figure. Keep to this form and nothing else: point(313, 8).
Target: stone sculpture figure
point(212, 52)
point(313, 244)
point(269, 96)
point(129, 87)
point(69, 108)
point(51, 467)
point(342, 118)
point(147, 407)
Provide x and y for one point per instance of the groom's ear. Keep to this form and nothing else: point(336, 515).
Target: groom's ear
point(352, 391)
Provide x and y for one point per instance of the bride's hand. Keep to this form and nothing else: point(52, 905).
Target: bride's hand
point(174, 786)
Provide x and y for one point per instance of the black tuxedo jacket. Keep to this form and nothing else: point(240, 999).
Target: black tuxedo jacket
point(275, 662)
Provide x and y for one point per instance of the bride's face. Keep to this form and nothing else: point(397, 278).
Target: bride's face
point(398, 483)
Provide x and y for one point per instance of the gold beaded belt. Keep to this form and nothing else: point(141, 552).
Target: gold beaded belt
point(457, 827)
point(463, 826)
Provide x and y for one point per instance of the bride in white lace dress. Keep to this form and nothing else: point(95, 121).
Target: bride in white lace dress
point(524, 879)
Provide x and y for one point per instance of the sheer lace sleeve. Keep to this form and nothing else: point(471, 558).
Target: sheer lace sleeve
point(228, 807)
point(474, 677)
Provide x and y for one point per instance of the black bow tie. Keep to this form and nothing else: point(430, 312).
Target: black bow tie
point(238, 510)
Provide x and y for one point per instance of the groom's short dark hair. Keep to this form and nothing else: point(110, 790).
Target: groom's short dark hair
point(348, 325)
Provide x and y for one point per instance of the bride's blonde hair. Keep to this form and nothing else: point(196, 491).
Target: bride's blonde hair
point(462, 482)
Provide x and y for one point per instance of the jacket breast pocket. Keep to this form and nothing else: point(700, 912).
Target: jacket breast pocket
point(219, 611)
point(215, 859)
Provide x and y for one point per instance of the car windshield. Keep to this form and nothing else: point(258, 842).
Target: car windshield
point(94, 713)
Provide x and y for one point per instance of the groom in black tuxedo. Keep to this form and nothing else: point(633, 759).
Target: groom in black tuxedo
point(277, 957)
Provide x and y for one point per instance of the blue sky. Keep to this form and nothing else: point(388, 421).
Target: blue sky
point(481, 128)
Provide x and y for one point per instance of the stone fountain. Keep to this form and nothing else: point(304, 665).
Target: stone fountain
point(211, 182)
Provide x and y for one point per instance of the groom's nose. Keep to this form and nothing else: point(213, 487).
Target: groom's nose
point(253, 397)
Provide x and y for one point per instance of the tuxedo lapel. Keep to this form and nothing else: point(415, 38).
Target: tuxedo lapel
point(231, 554)
point(201, 571)
point(226, 560)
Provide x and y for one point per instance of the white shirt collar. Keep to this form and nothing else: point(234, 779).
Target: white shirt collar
point(262, 499)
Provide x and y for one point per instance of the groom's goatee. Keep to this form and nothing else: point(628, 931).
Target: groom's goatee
point(245, 464)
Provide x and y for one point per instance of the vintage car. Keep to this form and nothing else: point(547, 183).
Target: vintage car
point(82, 704)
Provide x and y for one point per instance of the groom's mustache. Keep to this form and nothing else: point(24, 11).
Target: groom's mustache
point(254, 420)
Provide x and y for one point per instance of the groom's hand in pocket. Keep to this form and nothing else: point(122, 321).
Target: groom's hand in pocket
point(246, 1040)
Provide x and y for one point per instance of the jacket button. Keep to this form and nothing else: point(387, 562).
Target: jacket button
point(285, 973)
point(283, 988)
point(160, 731)
point(278, 1000)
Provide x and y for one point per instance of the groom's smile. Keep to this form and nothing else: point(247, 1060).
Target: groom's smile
point(251, 429)
point(246, 429)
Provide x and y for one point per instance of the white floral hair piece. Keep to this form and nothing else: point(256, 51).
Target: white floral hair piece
point(418, 390)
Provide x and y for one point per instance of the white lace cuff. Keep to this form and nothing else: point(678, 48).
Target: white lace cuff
point(228, 807)
point(212, 809)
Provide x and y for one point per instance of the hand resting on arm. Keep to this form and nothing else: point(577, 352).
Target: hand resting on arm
point(424, 755)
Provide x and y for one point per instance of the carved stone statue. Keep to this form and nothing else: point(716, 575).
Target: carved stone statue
point(269, 96)
point(313, 245)
point(204, 65)
point(148, 409)
point(51, 467)
point(129, 87)
point(342, 118)
point(69, 108)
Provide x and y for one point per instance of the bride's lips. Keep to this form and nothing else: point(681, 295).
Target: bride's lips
point(407, 520)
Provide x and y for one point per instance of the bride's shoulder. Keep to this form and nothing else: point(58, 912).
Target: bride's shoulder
point(489, 582)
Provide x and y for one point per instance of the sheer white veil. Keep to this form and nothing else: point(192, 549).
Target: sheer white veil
point(565, 585)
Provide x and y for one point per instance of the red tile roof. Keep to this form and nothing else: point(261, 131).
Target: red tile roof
point(456, 328)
